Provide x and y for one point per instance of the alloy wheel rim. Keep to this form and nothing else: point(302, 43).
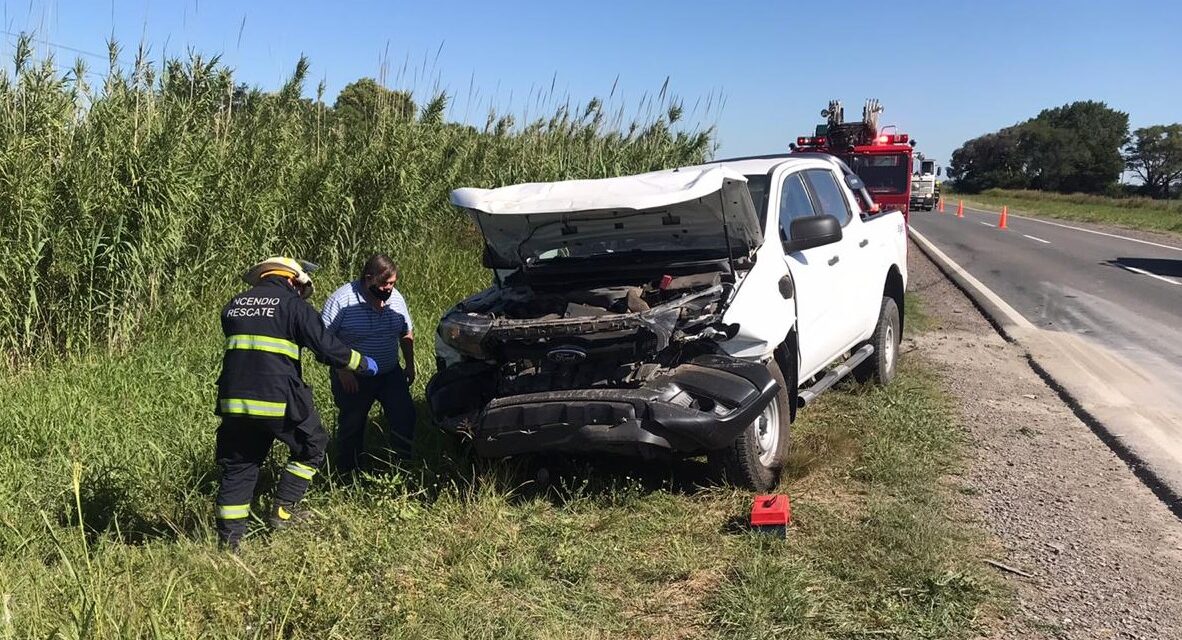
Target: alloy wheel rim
point(767, 432)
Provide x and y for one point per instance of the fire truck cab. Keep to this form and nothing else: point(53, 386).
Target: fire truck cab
point(881, 160)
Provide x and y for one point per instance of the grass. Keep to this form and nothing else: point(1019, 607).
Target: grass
point(107, 480)
point(915, 320)
point(1131, 213)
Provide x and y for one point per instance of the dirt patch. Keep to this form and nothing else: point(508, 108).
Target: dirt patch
point(675, 611)
point(1104, 554)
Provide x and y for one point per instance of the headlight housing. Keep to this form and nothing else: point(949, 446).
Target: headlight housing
point(465, 332)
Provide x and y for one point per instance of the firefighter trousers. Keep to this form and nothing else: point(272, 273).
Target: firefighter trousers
point(242, 446)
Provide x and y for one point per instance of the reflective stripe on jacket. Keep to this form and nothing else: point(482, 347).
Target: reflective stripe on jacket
point(265, 328)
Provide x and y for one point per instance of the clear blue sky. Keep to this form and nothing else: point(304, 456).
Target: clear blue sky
point(946, 72)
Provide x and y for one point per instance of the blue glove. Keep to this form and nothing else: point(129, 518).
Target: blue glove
point(368, 366)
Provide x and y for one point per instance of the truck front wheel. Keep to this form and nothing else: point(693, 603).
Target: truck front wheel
point(880, 366)
point(754, 459)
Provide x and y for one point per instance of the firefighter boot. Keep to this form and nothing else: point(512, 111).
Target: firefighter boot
point(230, 534)
point(285, 514)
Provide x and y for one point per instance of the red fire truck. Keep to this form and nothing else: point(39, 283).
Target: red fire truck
point(882, 160)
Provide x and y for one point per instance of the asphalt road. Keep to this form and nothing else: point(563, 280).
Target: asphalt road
point(1123, 293)
point(1113, 300)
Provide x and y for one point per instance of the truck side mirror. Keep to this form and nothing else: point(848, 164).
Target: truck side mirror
point(812, 231)
point(938, 170)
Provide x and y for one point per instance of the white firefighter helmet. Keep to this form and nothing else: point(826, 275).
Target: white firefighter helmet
point(297, 270)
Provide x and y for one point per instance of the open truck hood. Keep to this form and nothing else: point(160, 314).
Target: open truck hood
point(698, 213)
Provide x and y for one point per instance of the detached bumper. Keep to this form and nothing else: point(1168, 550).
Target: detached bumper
point(698, 406)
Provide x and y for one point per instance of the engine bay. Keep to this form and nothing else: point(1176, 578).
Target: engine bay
point(551, 302)
point(529, 339)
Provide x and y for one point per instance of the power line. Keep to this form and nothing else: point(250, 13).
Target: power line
point(59, 45)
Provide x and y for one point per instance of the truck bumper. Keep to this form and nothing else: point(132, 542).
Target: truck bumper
point(727, 395)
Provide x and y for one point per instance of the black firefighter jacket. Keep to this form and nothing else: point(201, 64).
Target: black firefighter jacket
point(265, 328)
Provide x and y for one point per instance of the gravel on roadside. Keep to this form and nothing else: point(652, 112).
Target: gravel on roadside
point(1104, 555)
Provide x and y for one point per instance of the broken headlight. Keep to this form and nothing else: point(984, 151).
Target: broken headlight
point(465, 332)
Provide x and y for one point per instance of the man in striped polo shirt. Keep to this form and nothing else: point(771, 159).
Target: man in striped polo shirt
point(371, 316)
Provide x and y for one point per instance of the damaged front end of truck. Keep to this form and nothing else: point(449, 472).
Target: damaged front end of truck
point(602, 331)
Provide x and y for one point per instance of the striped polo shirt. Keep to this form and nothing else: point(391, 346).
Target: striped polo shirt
point(349, 316)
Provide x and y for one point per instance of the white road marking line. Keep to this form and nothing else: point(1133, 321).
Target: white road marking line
point(1038, 239)
point(985, 223)
point(1099, 233)
point(1010, 312)
point(1151, 275)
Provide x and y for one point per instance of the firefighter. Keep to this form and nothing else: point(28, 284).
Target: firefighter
point(262, 397)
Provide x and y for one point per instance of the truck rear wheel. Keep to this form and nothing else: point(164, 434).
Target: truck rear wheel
point(754, 459)
point(879, 368)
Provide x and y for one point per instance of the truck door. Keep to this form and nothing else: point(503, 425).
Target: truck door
point(817, 276)
point(843, 261)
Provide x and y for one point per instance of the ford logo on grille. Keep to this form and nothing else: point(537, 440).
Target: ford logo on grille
point(566, 355)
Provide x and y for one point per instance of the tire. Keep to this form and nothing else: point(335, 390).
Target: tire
point(754, 459)
point(879, 368)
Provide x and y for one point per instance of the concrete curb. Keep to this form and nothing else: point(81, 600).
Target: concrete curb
point(1152, 466)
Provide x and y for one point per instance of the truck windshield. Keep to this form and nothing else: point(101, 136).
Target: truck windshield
point(881, 173)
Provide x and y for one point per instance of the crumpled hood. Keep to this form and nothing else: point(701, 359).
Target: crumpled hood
point(696, 210)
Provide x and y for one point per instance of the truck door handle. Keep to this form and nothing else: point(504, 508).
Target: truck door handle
point(833, 260)
point(864, 242)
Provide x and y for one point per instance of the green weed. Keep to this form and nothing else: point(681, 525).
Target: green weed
point(449, 547)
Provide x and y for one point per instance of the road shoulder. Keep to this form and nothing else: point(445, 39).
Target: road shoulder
point(1102, 555)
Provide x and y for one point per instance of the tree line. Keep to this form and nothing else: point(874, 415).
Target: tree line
point(1082, 147)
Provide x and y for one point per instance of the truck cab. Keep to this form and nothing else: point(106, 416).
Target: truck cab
point(882, 160)
point(925, 185)
point(885, 167)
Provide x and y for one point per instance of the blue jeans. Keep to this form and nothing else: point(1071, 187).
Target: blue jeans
point(392, 392)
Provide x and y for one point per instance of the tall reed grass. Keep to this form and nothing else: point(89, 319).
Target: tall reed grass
point(150, 189)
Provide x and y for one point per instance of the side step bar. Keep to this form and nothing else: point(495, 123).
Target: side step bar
point(836, 373)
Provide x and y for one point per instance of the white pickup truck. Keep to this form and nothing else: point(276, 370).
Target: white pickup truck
point(682, 312)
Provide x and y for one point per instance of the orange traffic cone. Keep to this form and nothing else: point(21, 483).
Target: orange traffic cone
point(1004, 214)
point(960, 209)
point(940, 205)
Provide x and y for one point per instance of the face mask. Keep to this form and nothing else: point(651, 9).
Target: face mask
point(376, 292)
